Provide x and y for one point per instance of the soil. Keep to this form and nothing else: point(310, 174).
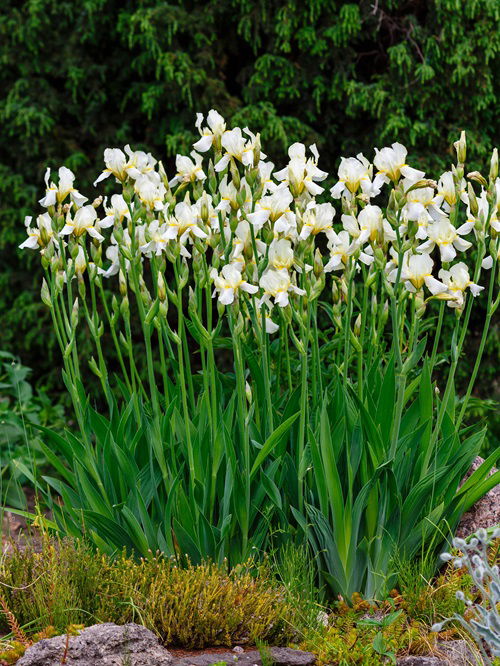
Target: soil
point(16, 531)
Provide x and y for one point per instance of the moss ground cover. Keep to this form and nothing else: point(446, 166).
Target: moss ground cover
point(65, 585)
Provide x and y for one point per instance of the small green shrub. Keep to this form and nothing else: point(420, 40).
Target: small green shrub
point(192, 606)
point(195, 606)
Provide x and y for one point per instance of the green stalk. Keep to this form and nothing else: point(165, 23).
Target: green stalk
point(400, 376)
point(60, 331)
point(102, 363)
point(305, 331)
point(241, 401)
point(210, 346)
point(489, 314)
point(437, 335)
point(265, 371)
point(102, 367)
point(347, 330)
point(364, 308)
point(456, 354)
point(69, 292)
point(146, 330)
point(182, 383)
point(115, 338)
point(163, 366)
point(287, 358)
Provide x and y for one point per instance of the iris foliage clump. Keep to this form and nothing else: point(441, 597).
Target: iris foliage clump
point(291, 342)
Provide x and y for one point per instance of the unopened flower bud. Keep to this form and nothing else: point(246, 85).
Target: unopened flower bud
point(212, 178)
point(357, 326)
point(425, 182)
point(183, 275)
point(96, 253)
point(371, 279)
point(128, 193)
point(82, 289)
point(44, 236)
point(385, 314)
point(118, 233)
point(256, 151)
point(392, 204)
point(163, 175)
point(235, 174)
point(287, 314)
point(73, 250)
point(192, 305)
point(59, 283)
point(92, 272)
point(122, 280)
point(335, 292)
point(494, 166)
point(475, 175)
point(474, 208)
point(45, 294)
point(172, 251)
point(318, 287)
point(380, 258)
point(240, 325)
point(420, 305)
point(74, 314)
point(204, 211)
point(248, 393)
point(162, 292)
point(461, 148)
point(318, 263)
point(242, 197)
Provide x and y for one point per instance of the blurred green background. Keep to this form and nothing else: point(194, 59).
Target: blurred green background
point(78, 76)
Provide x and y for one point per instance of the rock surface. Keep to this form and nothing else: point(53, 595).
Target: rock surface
point(100, 645)
point(485, 512)
point(278, 656)
point(132, 645)
point(451, 653)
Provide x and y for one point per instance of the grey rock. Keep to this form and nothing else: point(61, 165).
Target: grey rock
point(101, 645)
point(279, 657)
point(485, 512)
point(449, 653)
point(417, 660)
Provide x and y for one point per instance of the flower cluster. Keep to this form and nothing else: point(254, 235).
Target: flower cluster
point(267, 237)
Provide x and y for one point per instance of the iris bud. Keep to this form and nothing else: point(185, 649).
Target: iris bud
point(494, 166)
point(461, 148)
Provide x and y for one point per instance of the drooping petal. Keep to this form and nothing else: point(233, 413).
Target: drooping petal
point(226, 296)
point(249, 288)
point(221, 165)
point(102, 176)
point(203, 144)
point(259, 218)
point(31, 243)
point(434, 286)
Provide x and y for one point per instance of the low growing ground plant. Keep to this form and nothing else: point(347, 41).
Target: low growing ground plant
point(57, 586)
point(67, 583)
point(480, 557)
point(291, 360)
